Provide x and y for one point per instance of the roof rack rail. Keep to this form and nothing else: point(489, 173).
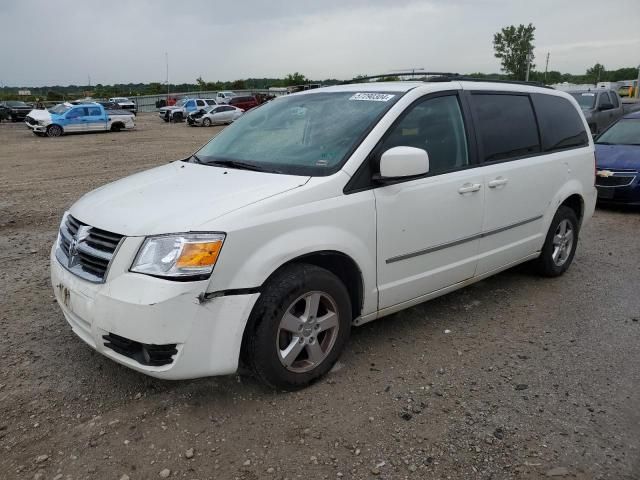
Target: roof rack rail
point(416, 73)
point(445, 77)
point(463, 78)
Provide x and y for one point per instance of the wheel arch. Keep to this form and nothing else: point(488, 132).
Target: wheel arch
point(576, 203)
point(340, 264)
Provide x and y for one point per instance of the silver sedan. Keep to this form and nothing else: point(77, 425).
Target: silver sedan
point(216, 115)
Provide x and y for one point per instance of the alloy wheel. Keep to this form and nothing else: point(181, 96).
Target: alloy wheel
point(562, 243)
point(307, 332)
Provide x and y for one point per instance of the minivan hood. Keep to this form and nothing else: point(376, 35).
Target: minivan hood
point(618, 157)
point(178, 197)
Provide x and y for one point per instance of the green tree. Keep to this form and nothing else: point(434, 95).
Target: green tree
point(512, 46)
point(597, 73)
point(295, 79)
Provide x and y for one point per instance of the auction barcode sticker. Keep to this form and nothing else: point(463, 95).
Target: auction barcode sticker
point(372, 97)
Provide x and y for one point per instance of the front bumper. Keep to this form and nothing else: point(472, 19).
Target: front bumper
point(36, 128)
point(207, 336)
point(621, 195)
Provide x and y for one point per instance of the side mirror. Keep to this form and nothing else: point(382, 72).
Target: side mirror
point(402, 162)
point(605, 106)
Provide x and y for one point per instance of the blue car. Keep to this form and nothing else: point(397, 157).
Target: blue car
point(618, 162)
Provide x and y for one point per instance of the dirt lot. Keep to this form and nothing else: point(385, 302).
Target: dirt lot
point(536, 377)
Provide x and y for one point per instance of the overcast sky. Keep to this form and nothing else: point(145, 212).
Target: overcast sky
point(62, 42)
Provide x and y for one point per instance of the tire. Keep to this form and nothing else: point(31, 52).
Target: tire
point(116, 127)
point(54, 131)
point(177, 117)
point(560, 245)
point(206, 122)
point(283, 319)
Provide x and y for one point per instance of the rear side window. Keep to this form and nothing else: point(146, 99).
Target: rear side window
point(210, 102)
point(614, 99)
point(77, 112)
point(604, 99)
point(506, 126)
point(560, 123)
point(94, 112)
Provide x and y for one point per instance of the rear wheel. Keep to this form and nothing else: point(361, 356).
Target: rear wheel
point(298, 327)
point(116, 127)
point(560, 245)
point(206, 122)
point(54, 131)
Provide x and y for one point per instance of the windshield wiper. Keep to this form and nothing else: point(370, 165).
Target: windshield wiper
point(196, 158)
point(237, 164)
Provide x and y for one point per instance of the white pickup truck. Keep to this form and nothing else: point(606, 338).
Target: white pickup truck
point(86, 117)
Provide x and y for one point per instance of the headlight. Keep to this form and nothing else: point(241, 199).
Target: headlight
point(179, 256)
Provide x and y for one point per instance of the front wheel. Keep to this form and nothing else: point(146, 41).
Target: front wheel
point(298, 327)
point(560, 245)
point(206, 122)
point(54, 131)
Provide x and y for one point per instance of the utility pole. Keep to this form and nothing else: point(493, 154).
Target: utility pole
point(546, 68)
point(166, 56)
point(528, 65)
point(637, 89)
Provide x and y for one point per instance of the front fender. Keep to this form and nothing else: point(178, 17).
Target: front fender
point(262, 262)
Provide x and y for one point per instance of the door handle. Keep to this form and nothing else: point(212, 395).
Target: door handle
point(469, 188)
point(498, 182)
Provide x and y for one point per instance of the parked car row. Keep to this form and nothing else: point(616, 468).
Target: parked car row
point(209, 111)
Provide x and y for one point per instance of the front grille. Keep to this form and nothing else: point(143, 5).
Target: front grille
point(30, 120)
point(86, 251)
point(616, 179)
point(145, 354)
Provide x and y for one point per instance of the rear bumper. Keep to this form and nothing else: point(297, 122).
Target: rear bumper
point(152, 313)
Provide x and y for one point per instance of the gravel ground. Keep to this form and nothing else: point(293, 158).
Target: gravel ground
point(535, 377)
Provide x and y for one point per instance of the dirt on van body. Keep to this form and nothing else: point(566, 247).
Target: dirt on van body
point(514, 377)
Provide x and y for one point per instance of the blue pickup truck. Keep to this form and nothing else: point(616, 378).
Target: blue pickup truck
point(86, 117)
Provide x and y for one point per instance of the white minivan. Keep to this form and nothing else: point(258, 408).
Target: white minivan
point(317, 212)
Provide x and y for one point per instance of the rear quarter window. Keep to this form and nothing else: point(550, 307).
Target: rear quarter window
point(560, 123)
point(506, 126)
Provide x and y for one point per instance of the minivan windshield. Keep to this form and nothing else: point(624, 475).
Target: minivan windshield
point(306, 134)
point(586, 100)
point(625, 132)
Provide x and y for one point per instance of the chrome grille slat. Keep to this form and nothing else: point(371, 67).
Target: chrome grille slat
point(93, 249)
point(617, 179)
